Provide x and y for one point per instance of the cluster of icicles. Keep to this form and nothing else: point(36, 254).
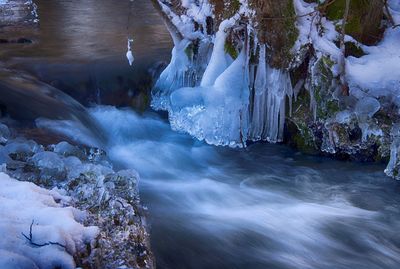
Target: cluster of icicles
point(221, 100)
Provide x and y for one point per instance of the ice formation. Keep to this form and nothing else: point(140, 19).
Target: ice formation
point(175, 76)
point(37, 231)
point(218, 108)
point(271, 86)
point(392, 168)
point(129, 53)
point(217, 113)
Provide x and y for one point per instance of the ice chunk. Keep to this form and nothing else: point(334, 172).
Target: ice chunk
point(49, 163)
point(74, 167)
point(66, 149)
point(4, 133)
point(344, 117)
point(21, 149)
point(367, 107)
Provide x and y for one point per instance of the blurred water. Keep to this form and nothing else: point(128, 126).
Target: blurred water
point(262, 207)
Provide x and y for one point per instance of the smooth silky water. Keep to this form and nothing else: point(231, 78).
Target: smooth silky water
point(265, 206)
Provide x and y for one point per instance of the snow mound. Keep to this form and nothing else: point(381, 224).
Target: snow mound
point(37, 230)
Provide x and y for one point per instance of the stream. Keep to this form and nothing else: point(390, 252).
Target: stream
point(263, 207)
point(266, 206)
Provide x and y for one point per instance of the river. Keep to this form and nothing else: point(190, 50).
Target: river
point(265, 206)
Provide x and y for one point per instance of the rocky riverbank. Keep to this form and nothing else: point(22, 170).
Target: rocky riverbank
point(109, 199)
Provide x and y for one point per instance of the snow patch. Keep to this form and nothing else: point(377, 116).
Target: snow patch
point(38, 232)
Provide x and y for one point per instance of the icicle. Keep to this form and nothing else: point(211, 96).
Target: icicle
point(129, 53)
point(393, 166)
point(176, 75)
point(258, 120)
point(279, 86)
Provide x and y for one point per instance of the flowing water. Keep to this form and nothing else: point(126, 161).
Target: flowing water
point(264, 207)
point(261, 207)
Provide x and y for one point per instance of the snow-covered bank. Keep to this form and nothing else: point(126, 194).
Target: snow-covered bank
point(44, 225)
point(37, 231)
point(299, 71)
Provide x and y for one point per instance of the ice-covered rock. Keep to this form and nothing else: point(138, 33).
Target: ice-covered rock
point(4, 133)
point(21, 149)
point(367, 107)
point(49, 164)
point(66, 149)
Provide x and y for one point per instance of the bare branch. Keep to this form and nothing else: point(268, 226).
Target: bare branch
point(30, 240)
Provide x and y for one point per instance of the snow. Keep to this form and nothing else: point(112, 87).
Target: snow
point(23, 204)
point(323, 41)
point(378, 72)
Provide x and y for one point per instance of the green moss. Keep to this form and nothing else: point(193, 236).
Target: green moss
point(291, 32)
point(327, 106)
point(303, 139)
point(353, 50)
point(364, 18)
point(332, 107)
point(192, 49)
point(230, 8)
point(231, 50)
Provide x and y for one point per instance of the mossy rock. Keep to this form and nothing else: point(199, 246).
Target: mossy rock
point(231, 50)
point(323, 86)
point(276, 27)
point(225, 9)
point(364, 19)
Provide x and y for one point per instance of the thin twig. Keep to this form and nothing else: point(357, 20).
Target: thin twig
point(36, 244)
